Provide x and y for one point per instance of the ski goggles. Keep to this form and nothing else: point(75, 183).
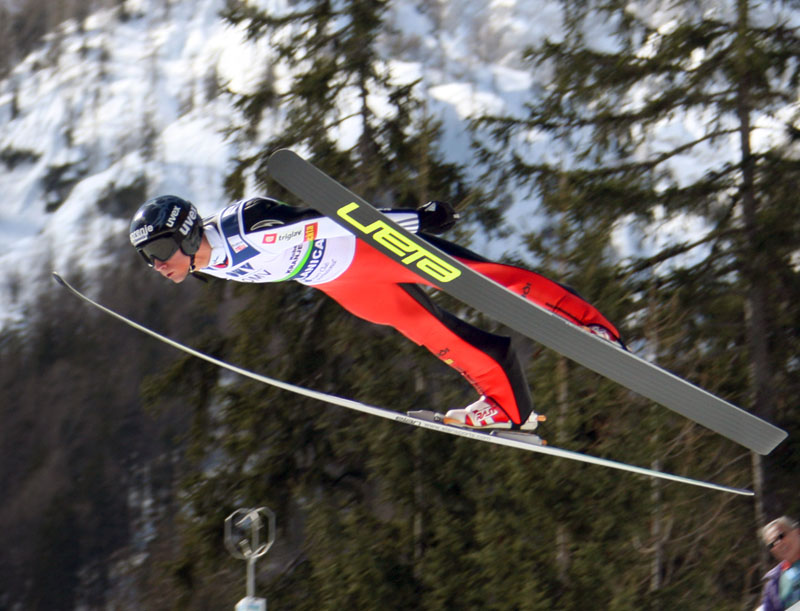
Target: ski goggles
point(775, 541)
point(160, 248)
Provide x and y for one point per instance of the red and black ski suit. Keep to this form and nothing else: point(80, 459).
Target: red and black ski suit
point(380, 290)
point(262, 240)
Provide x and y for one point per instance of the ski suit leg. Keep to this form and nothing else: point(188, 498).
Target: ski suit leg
point(379, 290)
point(382, 291)
point(544, 292)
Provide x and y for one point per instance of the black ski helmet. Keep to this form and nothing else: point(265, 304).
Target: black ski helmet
point(164, 224)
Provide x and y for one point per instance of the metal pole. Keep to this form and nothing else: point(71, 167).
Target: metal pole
point(251, 576)
point(244, 529)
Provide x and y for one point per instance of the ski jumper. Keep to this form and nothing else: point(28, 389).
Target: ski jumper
point(263, 240)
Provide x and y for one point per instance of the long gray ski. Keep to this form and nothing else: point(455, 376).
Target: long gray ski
point(529, 442)
point(324, 194)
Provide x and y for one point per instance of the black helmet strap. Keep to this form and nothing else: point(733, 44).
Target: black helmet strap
point(193, 271)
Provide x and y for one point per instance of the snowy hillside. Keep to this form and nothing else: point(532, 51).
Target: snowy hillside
point(124, 104)
point(132, 104)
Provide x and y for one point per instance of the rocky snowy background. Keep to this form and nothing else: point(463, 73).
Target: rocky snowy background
point(134, 102)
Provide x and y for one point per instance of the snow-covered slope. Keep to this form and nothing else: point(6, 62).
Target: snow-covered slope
point(124, 104)
point(131, 103)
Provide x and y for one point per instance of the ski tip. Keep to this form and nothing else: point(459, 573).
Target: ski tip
point(57, 277)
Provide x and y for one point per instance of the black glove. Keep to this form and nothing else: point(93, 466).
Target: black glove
point(436, 217)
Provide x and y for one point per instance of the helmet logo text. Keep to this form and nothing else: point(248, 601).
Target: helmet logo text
point(176, 210)
point(140, 235)
point(187, 224)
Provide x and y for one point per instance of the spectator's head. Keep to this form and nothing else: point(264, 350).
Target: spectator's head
point(782, 538)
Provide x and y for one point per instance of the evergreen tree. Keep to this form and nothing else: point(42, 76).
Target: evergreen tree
point(342, 105)
point(372, 516)
point(624, 121)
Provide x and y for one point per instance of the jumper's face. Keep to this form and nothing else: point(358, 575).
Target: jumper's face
point(176, 268)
